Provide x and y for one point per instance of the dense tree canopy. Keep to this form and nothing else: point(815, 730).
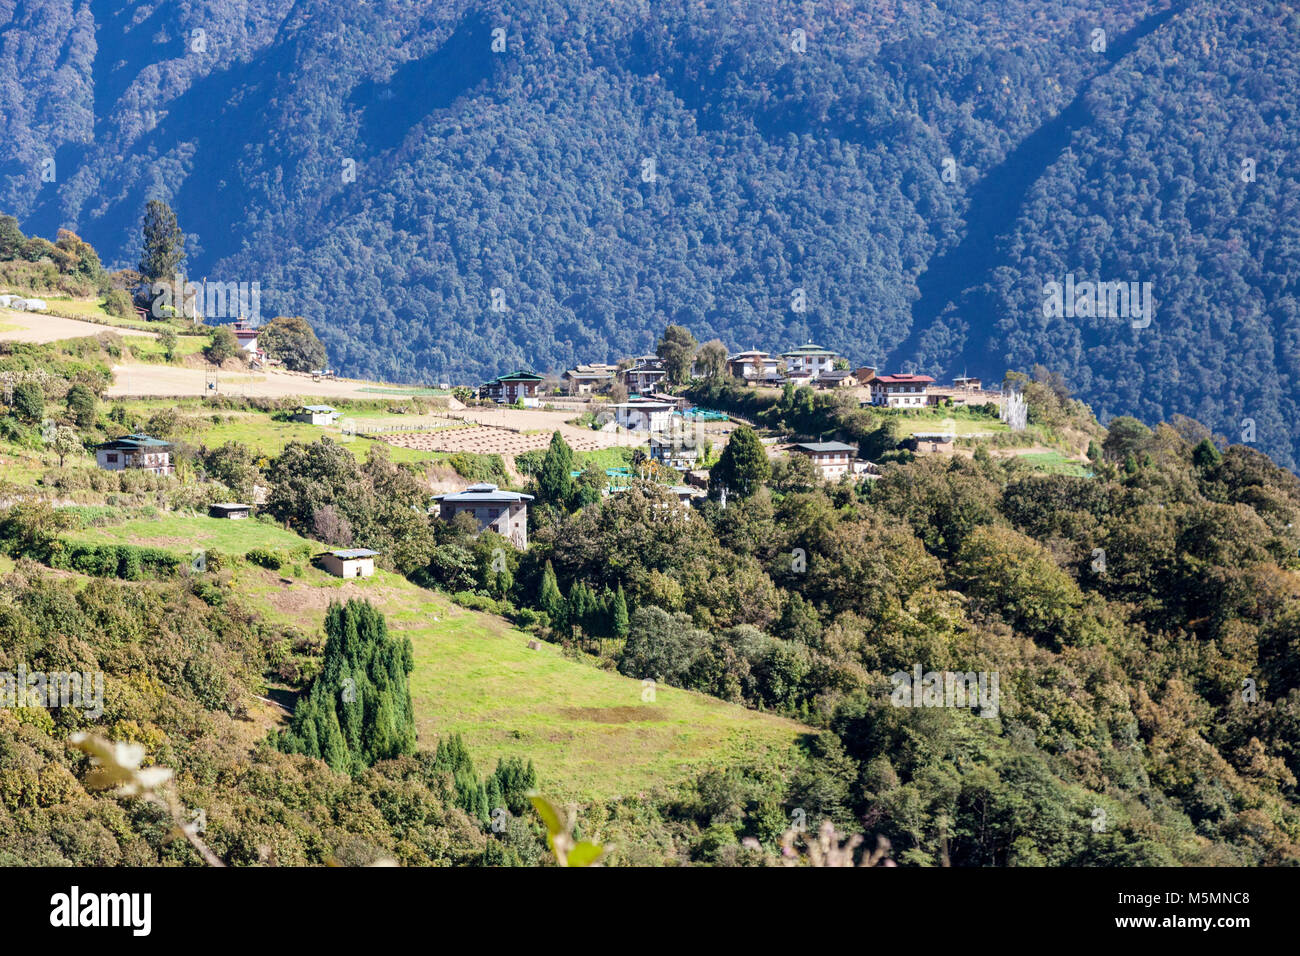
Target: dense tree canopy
point(291, 339)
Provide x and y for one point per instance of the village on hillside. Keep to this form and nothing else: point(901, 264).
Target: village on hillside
point(643, 418)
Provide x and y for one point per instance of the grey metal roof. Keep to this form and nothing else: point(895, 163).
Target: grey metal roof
point(824, 446)
point(484, 492)
point(349, 553)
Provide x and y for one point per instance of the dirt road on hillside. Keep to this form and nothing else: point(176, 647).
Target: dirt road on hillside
point(167, 381)
point(39, 327)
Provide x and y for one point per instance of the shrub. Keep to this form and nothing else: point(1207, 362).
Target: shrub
point(477, 602)
point(118, 303)
point(29, 402)
point(265, 558)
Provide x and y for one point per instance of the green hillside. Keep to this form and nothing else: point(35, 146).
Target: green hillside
point(588, 731)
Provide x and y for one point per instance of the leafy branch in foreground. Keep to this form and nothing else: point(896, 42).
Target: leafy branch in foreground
point(827, 848)
point(117, 765)
point(559, 836)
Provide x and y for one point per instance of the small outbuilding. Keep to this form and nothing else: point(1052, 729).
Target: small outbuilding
point(350, 563)
point(316, 414)
point(229, 509)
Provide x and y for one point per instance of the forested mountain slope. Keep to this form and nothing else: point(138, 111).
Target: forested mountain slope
point(619, 166)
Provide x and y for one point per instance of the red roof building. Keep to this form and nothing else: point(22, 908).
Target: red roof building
point(900, 390)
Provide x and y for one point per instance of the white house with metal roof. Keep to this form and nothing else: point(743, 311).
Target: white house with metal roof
point(810, 360)
point(644, 416)
point(900, 390)
point(137, 452)
point(349, 562)
point(316, 414)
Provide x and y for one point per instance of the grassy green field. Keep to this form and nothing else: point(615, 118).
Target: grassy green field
point(963, 422)
point(266, 436)
point(182, 532)
point(589, 731)
point(92, 311)
point(592, 734)
point(152, 349)
point(603, 458)
point(414, 391)
point(1055, 463)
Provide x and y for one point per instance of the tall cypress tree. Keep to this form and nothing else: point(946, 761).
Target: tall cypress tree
point(164, 243)
point(619, 622)
point(555, 480)
point(358, 711)
point(550, 599)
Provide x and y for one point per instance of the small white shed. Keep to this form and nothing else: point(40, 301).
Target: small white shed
point(350, 563)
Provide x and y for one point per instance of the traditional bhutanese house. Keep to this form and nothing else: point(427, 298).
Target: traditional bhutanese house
point(837, 378)
point(831, 458)
point(229, 509)
point(505, 512)
point(350, 562)
point(246, 336)
point(585, 379)
point(644, 377)
point(316, 414)
point(643, 416)
point(673, 452)
point(967, 382)
point(900, 391)
point(810, 358)
point(139, 452)
point(754, 366)
point(508, 389)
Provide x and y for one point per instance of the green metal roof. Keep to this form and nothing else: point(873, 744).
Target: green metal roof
point(135, 441)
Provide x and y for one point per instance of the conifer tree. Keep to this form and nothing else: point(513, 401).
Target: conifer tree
point(358, 711)
point(164, 243)
point(550, 599)
point(742, 467)
point(618, 616)
point(555, 480)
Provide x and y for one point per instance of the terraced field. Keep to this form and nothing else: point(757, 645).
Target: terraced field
point(486, 440)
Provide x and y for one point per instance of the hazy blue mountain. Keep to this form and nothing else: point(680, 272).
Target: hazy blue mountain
point(613, 169)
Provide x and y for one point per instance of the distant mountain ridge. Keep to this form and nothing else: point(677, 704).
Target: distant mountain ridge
point(919, 170)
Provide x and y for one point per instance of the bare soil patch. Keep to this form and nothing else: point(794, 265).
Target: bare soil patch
point(611, 715)
point(41, 327)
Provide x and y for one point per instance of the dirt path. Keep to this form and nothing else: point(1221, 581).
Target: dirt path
point(167, 381)
point(39, 327)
